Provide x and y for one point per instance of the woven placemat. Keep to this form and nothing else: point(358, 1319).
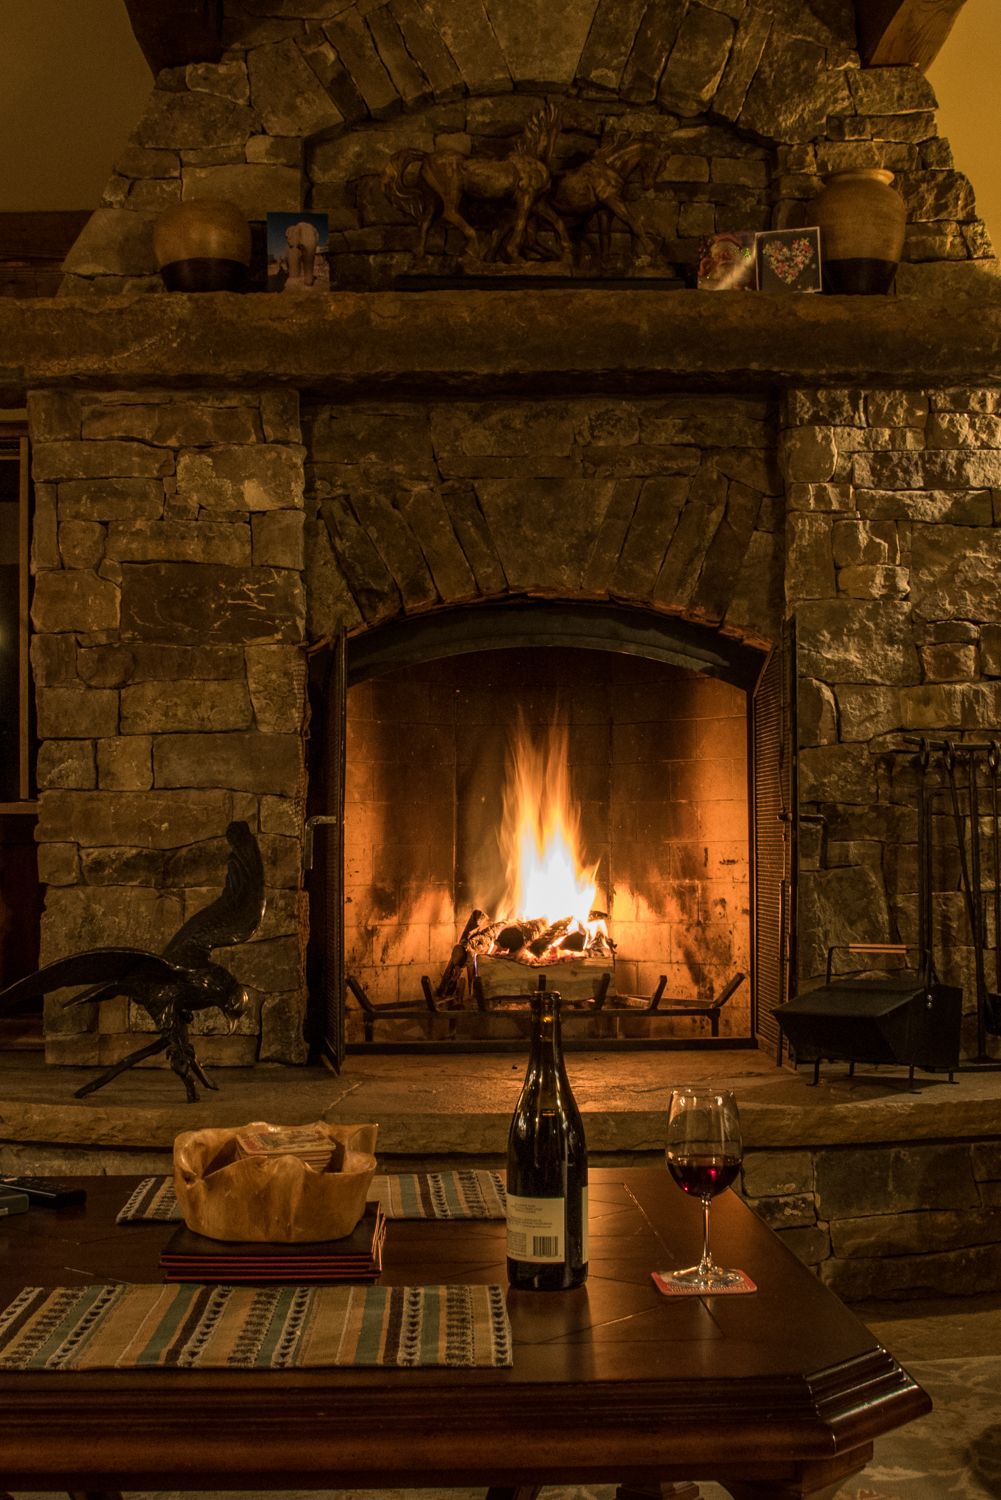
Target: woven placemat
point(405, 1195)
point(253, 1328)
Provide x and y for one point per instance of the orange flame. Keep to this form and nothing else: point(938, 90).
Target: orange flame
point(539, 835)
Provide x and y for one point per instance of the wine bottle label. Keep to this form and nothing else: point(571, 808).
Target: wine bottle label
point(536, 1229)
point(584, 1237)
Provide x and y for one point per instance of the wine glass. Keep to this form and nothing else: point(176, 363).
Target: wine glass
point(703, 1156)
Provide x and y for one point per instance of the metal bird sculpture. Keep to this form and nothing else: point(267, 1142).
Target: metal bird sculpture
point(170, 986)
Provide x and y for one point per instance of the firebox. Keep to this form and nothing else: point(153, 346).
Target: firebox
point(538, 795)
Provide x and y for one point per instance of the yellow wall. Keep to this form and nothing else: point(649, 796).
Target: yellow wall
point(965, 78)
point(73, 86)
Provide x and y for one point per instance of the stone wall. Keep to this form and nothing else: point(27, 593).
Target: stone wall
point(672, 503)
point(910, 1220)
point(893, 572)
point(743, 107)
point(168, 617)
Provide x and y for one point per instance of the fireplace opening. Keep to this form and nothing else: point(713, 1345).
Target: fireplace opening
point(562, 815)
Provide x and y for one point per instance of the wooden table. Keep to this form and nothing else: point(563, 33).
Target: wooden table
point(776, 1394)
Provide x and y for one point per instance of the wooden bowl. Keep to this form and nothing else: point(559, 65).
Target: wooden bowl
point(276, 1199)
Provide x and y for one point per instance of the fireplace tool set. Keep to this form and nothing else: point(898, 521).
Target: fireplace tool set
point(982, 764)
point(909, 1017)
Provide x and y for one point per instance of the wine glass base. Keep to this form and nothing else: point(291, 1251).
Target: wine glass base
point(705, 1278)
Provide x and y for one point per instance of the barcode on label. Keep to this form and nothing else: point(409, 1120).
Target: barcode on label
point(536, 1229)
point(546, 1244)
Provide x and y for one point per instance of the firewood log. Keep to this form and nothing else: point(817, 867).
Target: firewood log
point(510, 939)
point(550, 935)
point(459, 957)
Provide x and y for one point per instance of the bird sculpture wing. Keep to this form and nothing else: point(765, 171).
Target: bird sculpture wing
point(113, 970)
point(233, 916)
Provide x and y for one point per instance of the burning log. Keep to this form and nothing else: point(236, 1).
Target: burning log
point(533, 942)
point(482, 940)
point(449, 980)
point(550, 937)
point(510, 939)
point(576, 977)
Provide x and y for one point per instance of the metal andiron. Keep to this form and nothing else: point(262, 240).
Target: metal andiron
point(172, 985)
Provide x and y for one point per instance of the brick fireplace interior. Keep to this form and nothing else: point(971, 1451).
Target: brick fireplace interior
point(225, 488)
point(658, 769)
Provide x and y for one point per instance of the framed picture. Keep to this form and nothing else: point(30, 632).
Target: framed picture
point(726, 262)
point(298, 246)
point(788, 260)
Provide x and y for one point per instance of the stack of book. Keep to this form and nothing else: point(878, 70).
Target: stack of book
point(358, 1257)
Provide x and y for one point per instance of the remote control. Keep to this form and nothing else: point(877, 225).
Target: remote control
point(46, 1192)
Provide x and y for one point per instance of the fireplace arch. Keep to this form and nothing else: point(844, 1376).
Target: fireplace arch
point(410, 721)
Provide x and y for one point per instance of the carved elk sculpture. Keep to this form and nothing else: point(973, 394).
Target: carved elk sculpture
point(172, 985)
point(428, 185)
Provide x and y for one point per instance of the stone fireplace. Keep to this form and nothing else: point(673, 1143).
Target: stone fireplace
point(260, 521)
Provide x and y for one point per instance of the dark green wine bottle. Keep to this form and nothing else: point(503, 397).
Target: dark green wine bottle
point(546, 1167)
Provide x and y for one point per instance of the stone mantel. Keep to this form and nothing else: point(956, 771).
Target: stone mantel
point(506, 341)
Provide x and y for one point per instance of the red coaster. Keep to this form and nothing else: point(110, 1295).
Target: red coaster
point(671, 1289)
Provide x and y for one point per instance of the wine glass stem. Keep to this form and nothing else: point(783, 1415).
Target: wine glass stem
point(706, 1261)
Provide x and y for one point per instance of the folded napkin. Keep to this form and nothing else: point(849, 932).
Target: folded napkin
point(254, 1328)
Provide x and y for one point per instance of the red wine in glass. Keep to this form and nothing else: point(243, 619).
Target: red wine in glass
point(703, 1154)
point(703, 1177)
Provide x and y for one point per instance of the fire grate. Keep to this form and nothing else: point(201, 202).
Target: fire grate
point(447, 1022)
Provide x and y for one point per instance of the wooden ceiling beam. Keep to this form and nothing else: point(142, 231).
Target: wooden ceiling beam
point(898, 33)
point(173, 33)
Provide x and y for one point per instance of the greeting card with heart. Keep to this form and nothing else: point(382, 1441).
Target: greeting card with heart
point(788, 260)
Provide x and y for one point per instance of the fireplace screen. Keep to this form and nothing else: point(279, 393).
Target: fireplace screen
point(521, 817)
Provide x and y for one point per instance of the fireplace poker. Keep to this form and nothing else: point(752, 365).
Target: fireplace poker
point(972, 899)
point(976, 875)
point(993, 765)
point(924, 864)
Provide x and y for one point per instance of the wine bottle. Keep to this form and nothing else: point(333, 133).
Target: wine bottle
point(546, 1167)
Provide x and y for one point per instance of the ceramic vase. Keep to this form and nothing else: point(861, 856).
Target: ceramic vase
point(202, 245)
point(862, 220)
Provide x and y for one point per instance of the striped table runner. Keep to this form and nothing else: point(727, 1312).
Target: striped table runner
point(405, 1195)
point(224, 1327)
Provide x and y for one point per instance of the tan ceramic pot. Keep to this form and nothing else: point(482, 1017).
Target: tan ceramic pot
point(280, 1200)
point(202, 245)
point(862, 220)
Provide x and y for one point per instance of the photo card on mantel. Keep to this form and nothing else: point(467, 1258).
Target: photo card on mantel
point(298, 252)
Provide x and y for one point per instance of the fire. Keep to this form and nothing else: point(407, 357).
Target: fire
point(539, 835)
point(548, 902)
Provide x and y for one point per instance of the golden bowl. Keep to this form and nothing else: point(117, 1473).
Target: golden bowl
point(277, 1199)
